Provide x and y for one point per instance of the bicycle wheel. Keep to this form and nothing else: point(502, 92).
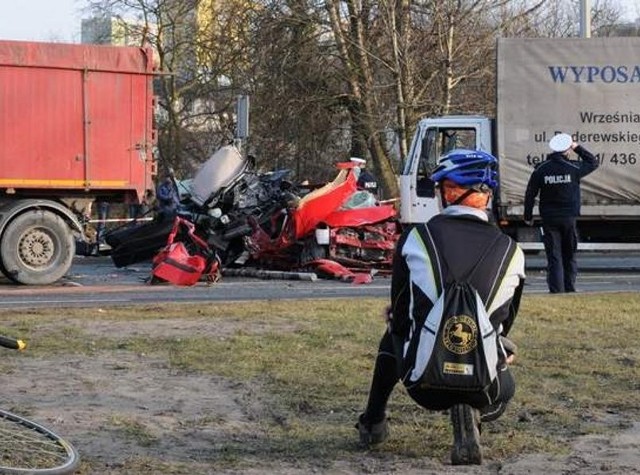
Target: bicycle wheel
point(27, 447)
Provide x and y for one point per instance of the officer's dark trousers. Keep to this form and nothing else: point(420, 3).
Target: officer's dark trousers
point(560, 244)
point(385, 377)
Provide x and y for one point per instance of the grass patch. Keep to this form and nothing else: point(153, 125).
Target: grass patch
point(578, 367)
point(132, 431)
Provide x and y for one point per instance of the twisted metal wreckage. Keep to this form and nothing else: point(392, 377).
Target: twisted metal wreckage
point(233, 217)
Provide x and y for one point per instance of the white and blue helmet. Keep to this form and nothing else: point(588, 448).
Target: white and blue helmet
point(468, 168)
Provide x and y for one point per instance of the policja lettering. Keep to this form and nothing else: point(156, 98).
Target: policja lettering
point(557, 179)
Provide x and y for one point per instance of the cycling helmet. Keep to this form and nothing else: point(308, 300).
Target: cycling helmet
point(468, 168)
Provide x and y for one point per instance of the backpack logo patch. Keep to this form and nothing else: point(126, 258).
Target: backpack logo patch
point(460, 335)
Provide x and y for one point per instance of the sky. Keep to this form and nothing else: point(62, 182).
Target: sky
point(59, 20)
point(41, 20)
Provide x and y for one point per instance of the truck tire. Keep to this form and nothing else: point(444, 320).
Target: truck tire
point(37, 248)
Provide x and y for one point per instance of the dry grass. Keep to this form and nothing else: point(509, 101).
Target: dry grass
point(578, 367)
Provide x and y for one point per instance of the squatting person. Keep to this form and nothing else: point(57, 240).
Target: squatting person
point(463, 239)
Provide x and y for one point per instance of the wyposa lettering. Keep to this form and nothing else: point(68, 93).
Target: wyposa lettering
point(596, 74)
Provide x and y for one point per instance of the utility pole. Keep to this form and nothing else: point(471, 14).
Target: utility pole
point(585, 18)
point(242, 120)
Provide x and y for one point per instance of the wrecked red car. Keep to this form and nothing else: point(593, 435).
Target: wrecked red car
point(261, 220)
point(338, 230)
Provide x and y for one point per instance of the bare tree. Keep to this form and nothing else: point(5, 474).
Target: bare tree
point(297, 119)
point(328, 79)
point(561, 18)
point(200, 70)
point(414, 57)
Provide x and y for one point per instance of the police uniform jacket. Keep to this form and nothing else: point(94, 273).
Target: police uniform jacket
point(366, 181)
point(557, 179)
point(461, 236)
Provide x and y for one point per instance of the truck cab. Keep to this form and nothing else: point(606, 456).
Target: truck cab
point(433, 138)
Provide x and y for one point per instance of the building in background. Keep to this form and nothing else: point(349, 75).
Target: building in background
point(113, 31)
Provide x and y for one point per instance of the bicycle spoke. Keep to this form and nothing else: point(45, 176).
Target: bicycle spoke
point(25, 445)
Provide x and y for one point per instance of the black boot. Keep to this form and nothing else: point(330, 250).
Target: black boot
point(466, 435)
point(372, 434)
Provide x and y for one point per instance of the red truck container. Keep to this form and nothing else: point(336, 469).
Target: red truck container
point(76, 125)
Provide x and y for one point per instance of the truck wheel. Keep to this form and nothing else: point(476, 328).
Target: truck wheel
point(37, 248)
point(2, 269)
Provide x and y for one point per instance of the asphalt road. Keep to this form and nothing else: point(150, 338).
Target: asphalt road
point(96, 282)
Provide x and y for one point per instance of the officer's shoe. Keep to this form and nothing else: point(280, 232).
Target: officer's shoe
point(372, 434)
point(466, 435)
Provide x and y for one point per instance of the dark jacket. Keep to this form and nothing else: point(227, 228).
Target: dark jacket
point(366, 181)
point(460, 241)
point(557, 179)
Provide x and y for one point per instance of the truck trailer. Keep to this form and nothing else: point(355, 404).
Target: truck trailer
point(76, 126)
point(586, 87)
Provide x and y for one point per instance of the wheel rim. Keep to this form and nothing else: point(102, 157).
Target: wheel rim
point(36, 248)
point(30, 448)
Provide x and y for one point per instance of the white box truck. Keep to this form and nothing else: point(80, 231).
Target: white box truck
point(587, 87)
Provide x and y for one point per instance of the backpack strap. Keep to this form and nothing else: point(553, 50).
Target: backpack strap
point(502, 271)
point(434, 258)
point(437, 258)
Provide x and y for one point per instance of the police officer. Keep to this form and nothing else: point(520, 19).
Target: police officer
point(168, 198)
point(557, 180)
point(366, 180)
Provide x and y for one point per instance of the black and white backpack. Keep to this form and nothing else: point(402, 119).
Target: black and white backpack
point(456, 348)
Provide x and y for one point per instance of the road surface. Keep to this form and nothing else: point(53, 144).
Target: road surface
point(95, 282)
